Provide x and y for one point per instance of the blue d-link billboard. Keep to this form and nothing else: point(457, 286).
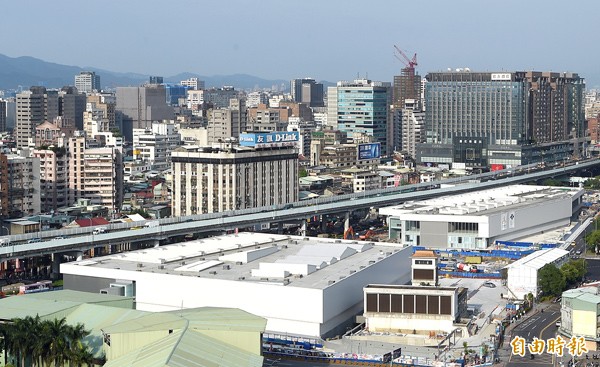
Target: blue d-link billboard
point(269, 139)
point(369, 151)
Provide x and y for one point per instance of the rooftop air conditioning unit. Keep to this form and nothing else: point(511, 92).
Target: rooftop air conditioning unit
point(140, 265)
point(212, 272)
point(161, 266)
point(226, 267)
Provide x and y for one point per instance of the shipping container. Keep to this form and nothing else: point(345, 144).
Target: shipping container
point(473, 259)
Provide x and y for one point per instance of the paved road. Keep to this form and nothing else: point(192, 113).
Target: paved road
point(541, 325)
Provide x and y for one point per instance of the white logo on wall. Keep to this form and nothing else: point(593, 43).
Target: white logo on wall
point(503, 221)
point(501, 76)
point(511, 219)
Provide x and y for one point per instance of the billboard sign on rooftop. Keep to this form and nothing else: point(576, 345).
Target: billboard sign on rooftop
point(275, 139)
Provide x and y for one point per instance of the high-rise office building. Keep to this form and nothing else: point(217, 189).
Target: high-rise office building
point(503, 118)
point(193, 83)
point(33, 108)
point(138, 107)
point(307, 91)
point(156, 80)
point(71, 106)
point(207, 180)
point(87, 82)
point(362, 106)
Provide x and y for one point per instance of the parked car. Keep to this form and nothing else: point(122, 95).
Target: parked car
point(558, 324)
point(99, 230)
point(489, 285)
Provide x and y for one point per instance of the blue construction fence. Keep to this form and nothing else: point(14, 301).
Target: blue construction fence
point(509, 254)
point(465, 274)
point(526, 244)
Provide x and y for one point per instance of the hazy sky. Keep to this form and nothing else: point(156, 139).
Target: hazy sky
point(324, 39)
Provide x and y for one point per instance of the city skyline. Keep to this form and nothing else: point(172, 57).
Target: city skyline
point(329, 41)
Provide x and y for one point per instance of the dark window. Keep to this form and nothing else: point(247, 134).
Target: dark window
point(433, 305)
point(421, 304)
point(424, 274)
point(396, 303)
point(384, 303)
point(371, 302)
point(409, 303)
point(445, 305)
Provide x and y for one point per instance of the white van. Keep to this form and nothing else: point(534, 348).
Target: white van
point(99, 230)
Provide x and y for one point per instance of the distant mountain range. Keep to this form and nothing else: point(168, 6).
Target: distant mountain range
point(26, 71)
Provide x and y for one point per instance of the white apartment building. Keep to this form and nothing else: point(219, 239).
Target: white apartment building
point(256, 98)
point(95, 174)
point(94, 120)
point(23, 185)
point(155, 145)
point(305, 129)
point(195, 98)
point(208, 180)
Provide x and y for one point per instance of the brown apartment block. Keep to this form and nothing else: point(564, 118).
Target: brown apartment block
point(550, 112)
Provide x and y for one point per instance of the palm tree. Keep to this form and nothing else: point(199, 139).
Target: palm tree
point(22, 344)
point(48, 342)
point(81, 355)
point(78, 353)
point(58, 333)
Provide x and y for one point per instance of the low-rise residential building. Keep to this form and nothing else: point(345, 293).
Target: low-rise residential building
point(580, 315)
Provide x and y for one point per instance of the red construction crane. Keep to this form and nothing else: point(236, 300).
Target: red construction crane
point(410, 63)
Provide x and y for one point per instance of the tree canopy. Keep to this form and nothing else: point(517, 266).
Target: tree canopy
point(552, 280)
point(44, 342)
point(574, 271)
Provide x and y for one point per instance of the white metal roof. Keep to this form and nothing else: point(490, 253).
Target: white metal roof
point(538, 259)
point(481, 202)
point(254, 257)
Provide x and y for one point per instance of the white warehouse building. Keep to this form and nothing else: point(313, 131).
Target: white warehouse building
point(522, 275)
point(476, 220)
point(302, 286)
